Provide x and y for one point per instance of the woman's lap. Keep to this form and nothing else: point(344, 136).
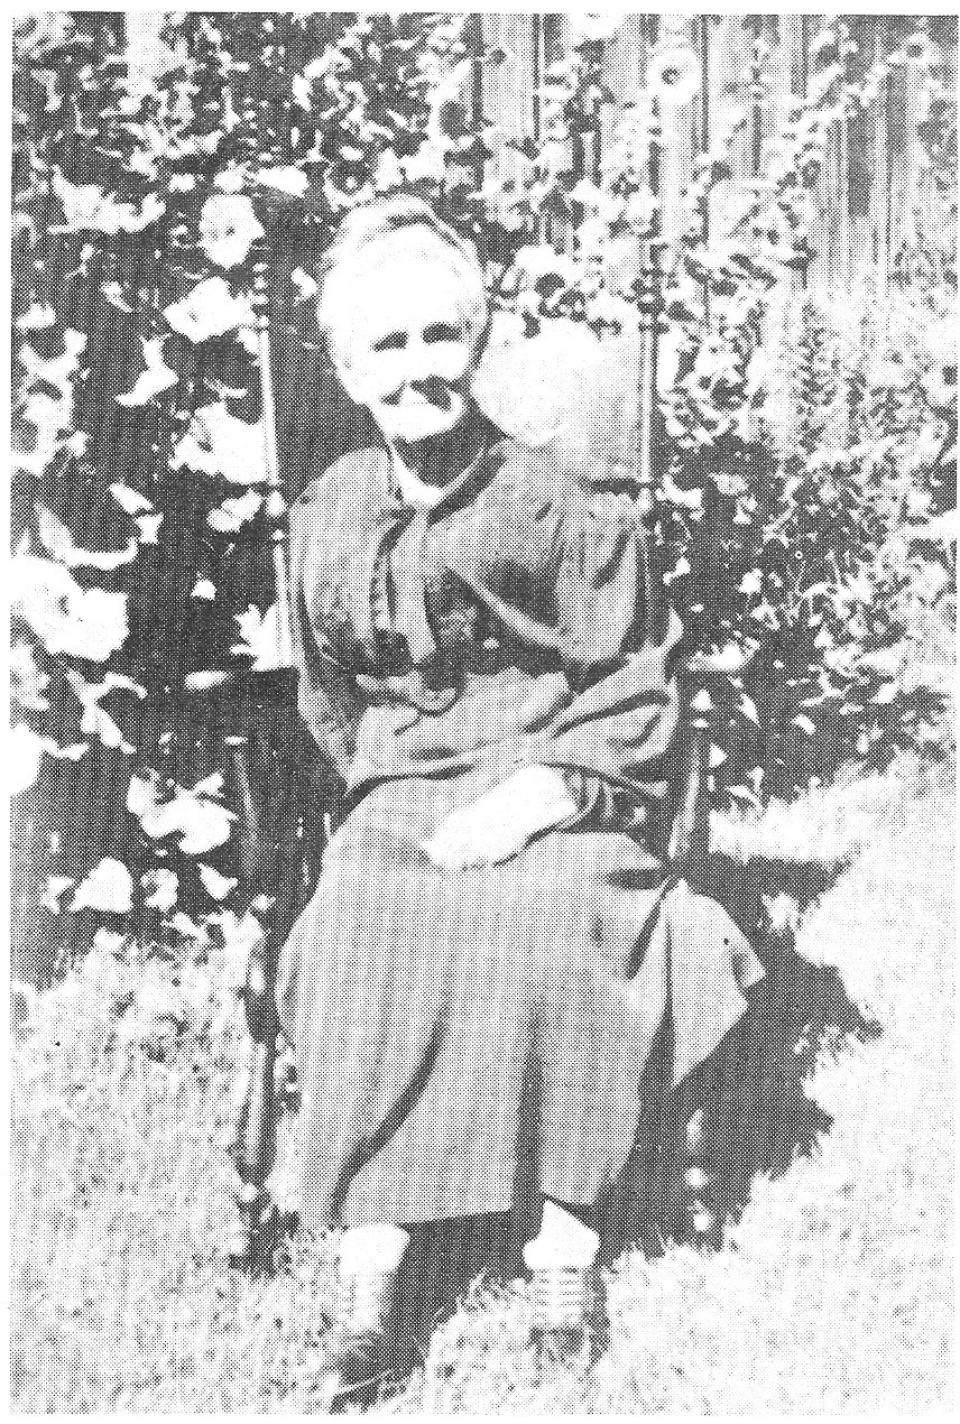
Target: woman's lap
point(465, 1036)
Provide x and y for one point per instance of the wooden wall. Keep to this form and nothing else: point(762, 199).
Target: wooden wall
point(872, 186)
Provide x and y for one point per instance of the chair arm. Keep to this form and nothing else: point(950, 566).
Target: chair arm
point(689, 840)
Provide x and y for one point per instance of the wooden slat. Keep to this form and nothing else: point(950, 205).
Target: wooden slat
point(508, 92)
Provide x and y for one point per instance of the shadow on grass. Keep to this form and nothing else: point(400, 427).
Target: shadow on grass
point(741, 1113)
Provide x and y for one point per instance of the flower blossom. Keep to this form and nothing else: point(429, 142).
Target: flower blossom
point(285, 180)
point(210, 310)
point(87, 206)
point(674, 75)
point(228, 228)
point(217, 443)
point(161, 886)
point(156, 377)
point(261, 636)
point(83, 623)
point(25, 750)
point(193, 814)
point(109, 886)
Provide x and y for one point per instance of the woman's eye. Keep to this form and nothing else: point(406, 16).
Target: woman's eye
point(441, 331)
point(394, 341)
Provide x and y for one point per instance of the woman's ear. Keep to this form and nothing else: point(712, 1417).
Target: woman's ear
point(348, 376)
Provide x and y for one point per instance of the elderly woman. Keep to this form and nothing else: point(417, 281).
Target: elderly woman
point(479, 978)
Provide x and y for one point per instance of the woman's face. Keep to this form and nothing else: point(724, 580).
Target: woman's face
point(406, 350)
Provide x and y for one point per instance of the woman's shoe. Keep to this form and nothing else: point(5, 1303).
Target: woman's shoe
point(569, 1313)
point(355, 1358)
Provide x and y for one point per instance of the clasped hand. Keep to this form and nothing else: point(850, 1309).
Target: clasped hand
point(501, 822)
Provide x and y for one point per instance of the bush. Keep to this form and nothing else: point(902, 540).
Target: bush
point(804, 452)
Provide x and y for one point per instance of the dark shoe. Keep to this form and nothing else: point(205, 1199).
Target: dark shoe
point(569, 1313)
point(355, 1359)
point(351, 1369)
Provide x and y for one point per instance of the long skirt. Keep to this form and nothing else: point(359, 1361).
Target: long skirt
point(459, 1033)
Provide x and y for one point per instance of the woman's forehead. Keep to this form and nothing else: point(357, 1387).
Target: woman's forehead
point(405, 294)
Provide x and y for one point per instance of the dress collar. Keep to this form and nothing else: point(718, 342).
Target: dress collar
point(408, 491)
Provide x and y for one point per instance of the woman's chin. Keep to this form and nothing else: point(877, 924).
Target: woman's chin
point(416, 426)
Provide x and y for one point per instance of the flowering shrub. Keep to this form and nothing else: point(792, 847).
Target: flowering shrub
point(804, 454)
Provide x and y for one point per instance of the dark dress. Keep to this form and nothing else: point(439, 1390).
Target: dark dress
point(460, 1031)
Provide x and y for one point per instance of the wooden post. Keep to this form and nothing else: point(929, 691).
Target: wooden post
point(880, 197)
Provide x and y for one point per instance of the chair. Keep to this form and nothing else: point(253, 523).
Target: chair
point(267, 754)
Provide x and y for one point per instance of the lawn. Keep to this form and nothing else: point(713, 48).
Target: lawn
point(828, 1291)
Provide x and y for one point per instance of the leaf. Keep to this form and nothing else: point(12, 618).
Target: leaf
point(749, 709)
point(161, 886)
point(129, 499)
point(58, 541)
point(157, 376)
point(217, 886)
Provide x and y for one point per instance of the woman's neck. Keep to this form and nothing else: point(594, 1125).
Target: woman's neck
point(438, 460)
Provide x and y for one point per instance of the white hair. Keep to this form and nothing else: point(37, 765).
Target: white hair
point(411, 227)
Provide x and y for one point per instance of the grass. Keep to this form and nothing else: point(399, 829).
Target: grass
point(830, 1295)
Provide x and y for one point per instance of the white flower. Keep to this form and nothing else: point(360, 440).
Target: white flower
point(240, 936)
point(109, 886)
point(56, 886)
point(87, 206)
point(230, 180)
point(217, 443)
point(217, 886)
point(200, 821)
point(161, 886)
point(110, 941)
point(304, 283)
point(149, 526)
point(674, 74)
point(114, 295)
point(57, 371)
point(25, 750)
point(228, 228)
point(142, 794)
point(29, 681)
point(696, 1178)
point(95, 626)
point(590, 28)
point(37, 317)
point(234, 513)
point(783, 911)
point(203, 588)
point(286, 180)
point(129, 499)
point(41, 591)
point(155, 378)
point(95, 722)
point(48, 416)
point(261, 637)
point(209, 310)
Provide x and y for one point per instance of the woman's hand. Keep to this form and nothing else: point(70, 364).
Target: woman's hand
point(502, 821)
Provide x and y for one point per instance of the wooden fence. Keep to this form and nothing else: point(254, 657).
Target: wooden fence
point(874, 186)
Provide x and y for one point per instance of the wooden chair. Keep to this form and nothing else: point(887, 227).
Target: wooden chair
point(267, 754)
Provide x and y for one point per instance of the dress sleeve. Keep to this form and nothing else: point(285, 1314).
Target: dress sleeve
point(618, 642)
point(326, 689)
